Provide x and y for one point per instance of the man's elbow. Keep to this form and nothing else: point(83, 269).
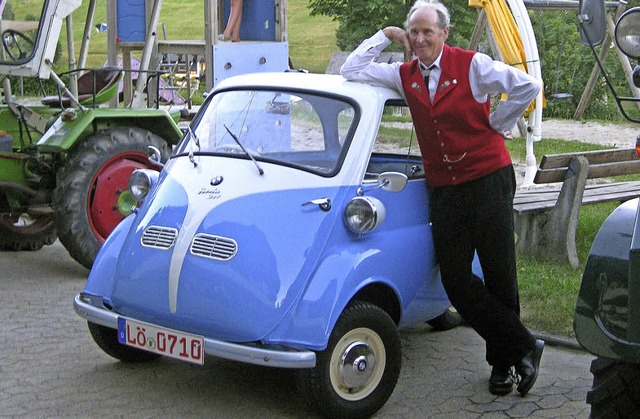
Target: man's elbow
point(348, 72)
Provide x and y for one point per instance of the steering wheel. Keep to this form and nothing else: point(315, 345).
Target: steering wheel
point(14, 42)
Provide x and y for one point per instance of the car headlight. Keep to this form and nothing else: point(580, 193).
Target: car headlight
point(141, 182)
point(363, 214)
point(627, 33)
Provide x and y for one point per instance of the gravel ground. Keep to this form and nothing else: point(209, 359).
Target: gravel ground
point(615, 135)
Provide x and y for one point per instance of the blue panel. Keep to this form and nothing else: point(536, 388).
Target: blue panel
point(258, 20)
point(234, 58)
point(131, 20)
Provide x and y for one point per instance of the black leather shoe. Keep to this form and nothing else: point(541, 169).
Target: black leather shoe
point(500, 382)
point(529, 367)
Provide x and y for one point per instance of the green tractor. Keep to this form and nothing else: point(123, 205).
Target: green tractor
point(607, 316)
point(65, 161)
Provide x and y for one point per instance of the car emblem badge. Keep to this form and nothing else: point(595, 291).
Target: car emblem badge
point(216, 180)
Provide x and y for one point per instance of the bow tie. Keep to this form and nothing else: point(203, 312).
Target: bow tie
point(427, 71)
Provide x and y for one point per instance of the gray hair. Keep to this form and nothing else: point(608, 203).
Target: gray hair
point(444, 19)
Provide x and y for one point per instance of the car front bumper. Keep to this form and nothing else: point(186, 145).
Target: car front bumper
point(88, 307)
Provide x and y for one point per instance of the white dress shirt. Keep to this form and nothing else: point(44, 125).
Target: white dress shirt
point(486, 77)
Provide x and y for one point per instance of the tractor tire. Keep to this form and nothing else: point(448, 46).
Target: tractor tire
point(89, 185)
point(616, 389)
point(22, 232)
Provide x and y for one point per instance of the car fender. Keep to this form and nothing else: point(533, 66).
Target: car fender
point(603, 310)
point(342, 276)
point(101, 276)
point(67, 130)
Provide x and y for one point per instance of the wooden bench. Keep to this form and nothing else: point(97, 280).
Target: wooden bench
point(546, 218)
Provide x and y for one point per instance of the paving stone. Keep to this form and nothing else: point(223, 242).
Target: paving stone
point(50, 367)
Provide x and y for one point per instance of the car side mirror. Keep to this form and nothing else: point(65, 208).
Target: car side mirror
point(392, 181)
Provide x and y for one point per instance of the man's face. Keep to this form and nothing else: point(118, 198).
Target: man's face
point(425, 36)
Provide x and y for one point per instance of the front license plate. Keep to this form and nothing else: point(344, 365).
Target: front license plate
point(162, 341)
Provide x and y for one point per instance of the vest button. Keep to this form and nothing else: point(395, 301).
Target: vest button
point(435, 121)
point(441, 144)
point(438, 133)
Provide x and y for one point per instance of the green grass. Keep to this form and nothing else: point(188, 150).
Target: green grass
point(549, 290)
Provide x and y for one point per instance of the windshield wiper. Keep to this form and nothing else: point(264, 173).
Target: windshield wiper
point(235, 138)
point(196, 140)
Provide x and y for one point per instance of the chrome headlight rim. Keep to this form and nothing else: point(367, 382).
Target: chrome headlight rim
point(141, 182)
point(364, 214)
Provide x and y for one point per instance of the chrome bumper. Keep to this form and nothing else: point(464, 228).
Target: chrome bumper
point(236, 352)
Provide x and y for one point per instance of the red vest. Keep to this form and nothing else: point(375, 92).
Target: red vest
point(456, 140)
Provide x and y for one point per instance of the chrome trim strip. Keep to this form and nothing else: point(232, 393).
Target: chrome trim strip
point(233, 351)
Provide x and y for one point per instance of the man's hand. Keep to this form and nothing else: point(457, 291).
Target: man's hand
point(399, 36)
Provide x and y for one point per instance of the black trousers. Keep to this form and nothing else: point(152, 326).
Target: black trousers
point(477, 216)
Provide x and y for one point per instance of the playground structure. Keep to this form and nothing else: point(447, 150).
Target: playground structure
point(264, 45)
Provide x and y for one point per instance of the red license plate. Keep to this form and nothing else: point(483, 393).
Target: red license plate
point(162, 341)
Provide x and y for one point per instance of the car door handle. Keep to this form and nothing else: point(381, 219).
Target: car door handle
point(323, 203)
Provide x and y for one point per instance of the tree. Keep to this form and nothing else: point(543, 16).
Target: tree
point(359, 19)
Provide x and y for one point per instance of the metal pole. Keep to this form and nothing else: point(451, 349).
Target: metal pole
point(73, 76)
point(112, 50)
point(562, 4)
point(152, 35)
point(86, 37)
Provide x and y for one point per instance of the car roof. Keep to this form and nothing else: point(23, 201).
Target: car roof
point(312, 82)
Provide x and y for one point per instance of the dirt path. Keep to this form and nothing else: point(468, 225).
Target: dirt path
point(614, 135)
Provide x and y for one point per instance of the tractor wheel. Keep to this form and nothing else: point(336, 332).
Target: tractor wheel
point(356, 374)
point(107, 339)
point(90, 183)
point(23, 232)
point(616, 389)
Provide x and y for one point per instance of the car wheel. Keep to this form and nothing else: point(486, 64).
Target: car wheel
point(107, 339)
point(90, 183)
point(358, 371)
point(446, 321)
point(616, 389)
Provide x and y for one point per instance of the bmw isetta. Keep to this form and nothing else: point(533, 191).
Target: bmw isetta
point(289, 228)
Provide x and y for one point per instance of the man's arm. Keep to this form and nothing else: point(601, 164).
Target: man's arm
point(489, 77)
point(361, 65)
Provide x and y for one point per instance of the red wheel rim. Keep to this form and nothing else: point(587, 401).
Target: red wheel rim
point(111, 180)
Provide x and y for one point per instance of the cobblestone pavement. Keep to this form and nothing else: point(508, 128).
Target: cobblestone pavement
point(50, 367)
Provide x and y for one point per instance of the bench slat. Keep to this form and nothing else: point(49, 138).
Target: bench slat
point(555, 161)
point(541, 200)
point(595, 171)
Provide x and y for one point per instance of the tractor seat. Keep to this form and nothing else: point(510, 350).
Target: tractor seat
point(106, 80)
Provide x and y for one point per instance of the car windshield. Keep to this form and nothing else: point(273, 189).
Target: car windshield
point(310, 132)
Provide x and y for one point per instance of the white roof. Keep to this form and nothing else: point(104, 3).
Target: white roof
point(313, 82)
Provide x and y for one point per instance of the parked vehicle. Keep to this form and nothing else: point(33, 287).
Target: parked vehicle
point(607, 316)
point(290, 228)
point(65, 162)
